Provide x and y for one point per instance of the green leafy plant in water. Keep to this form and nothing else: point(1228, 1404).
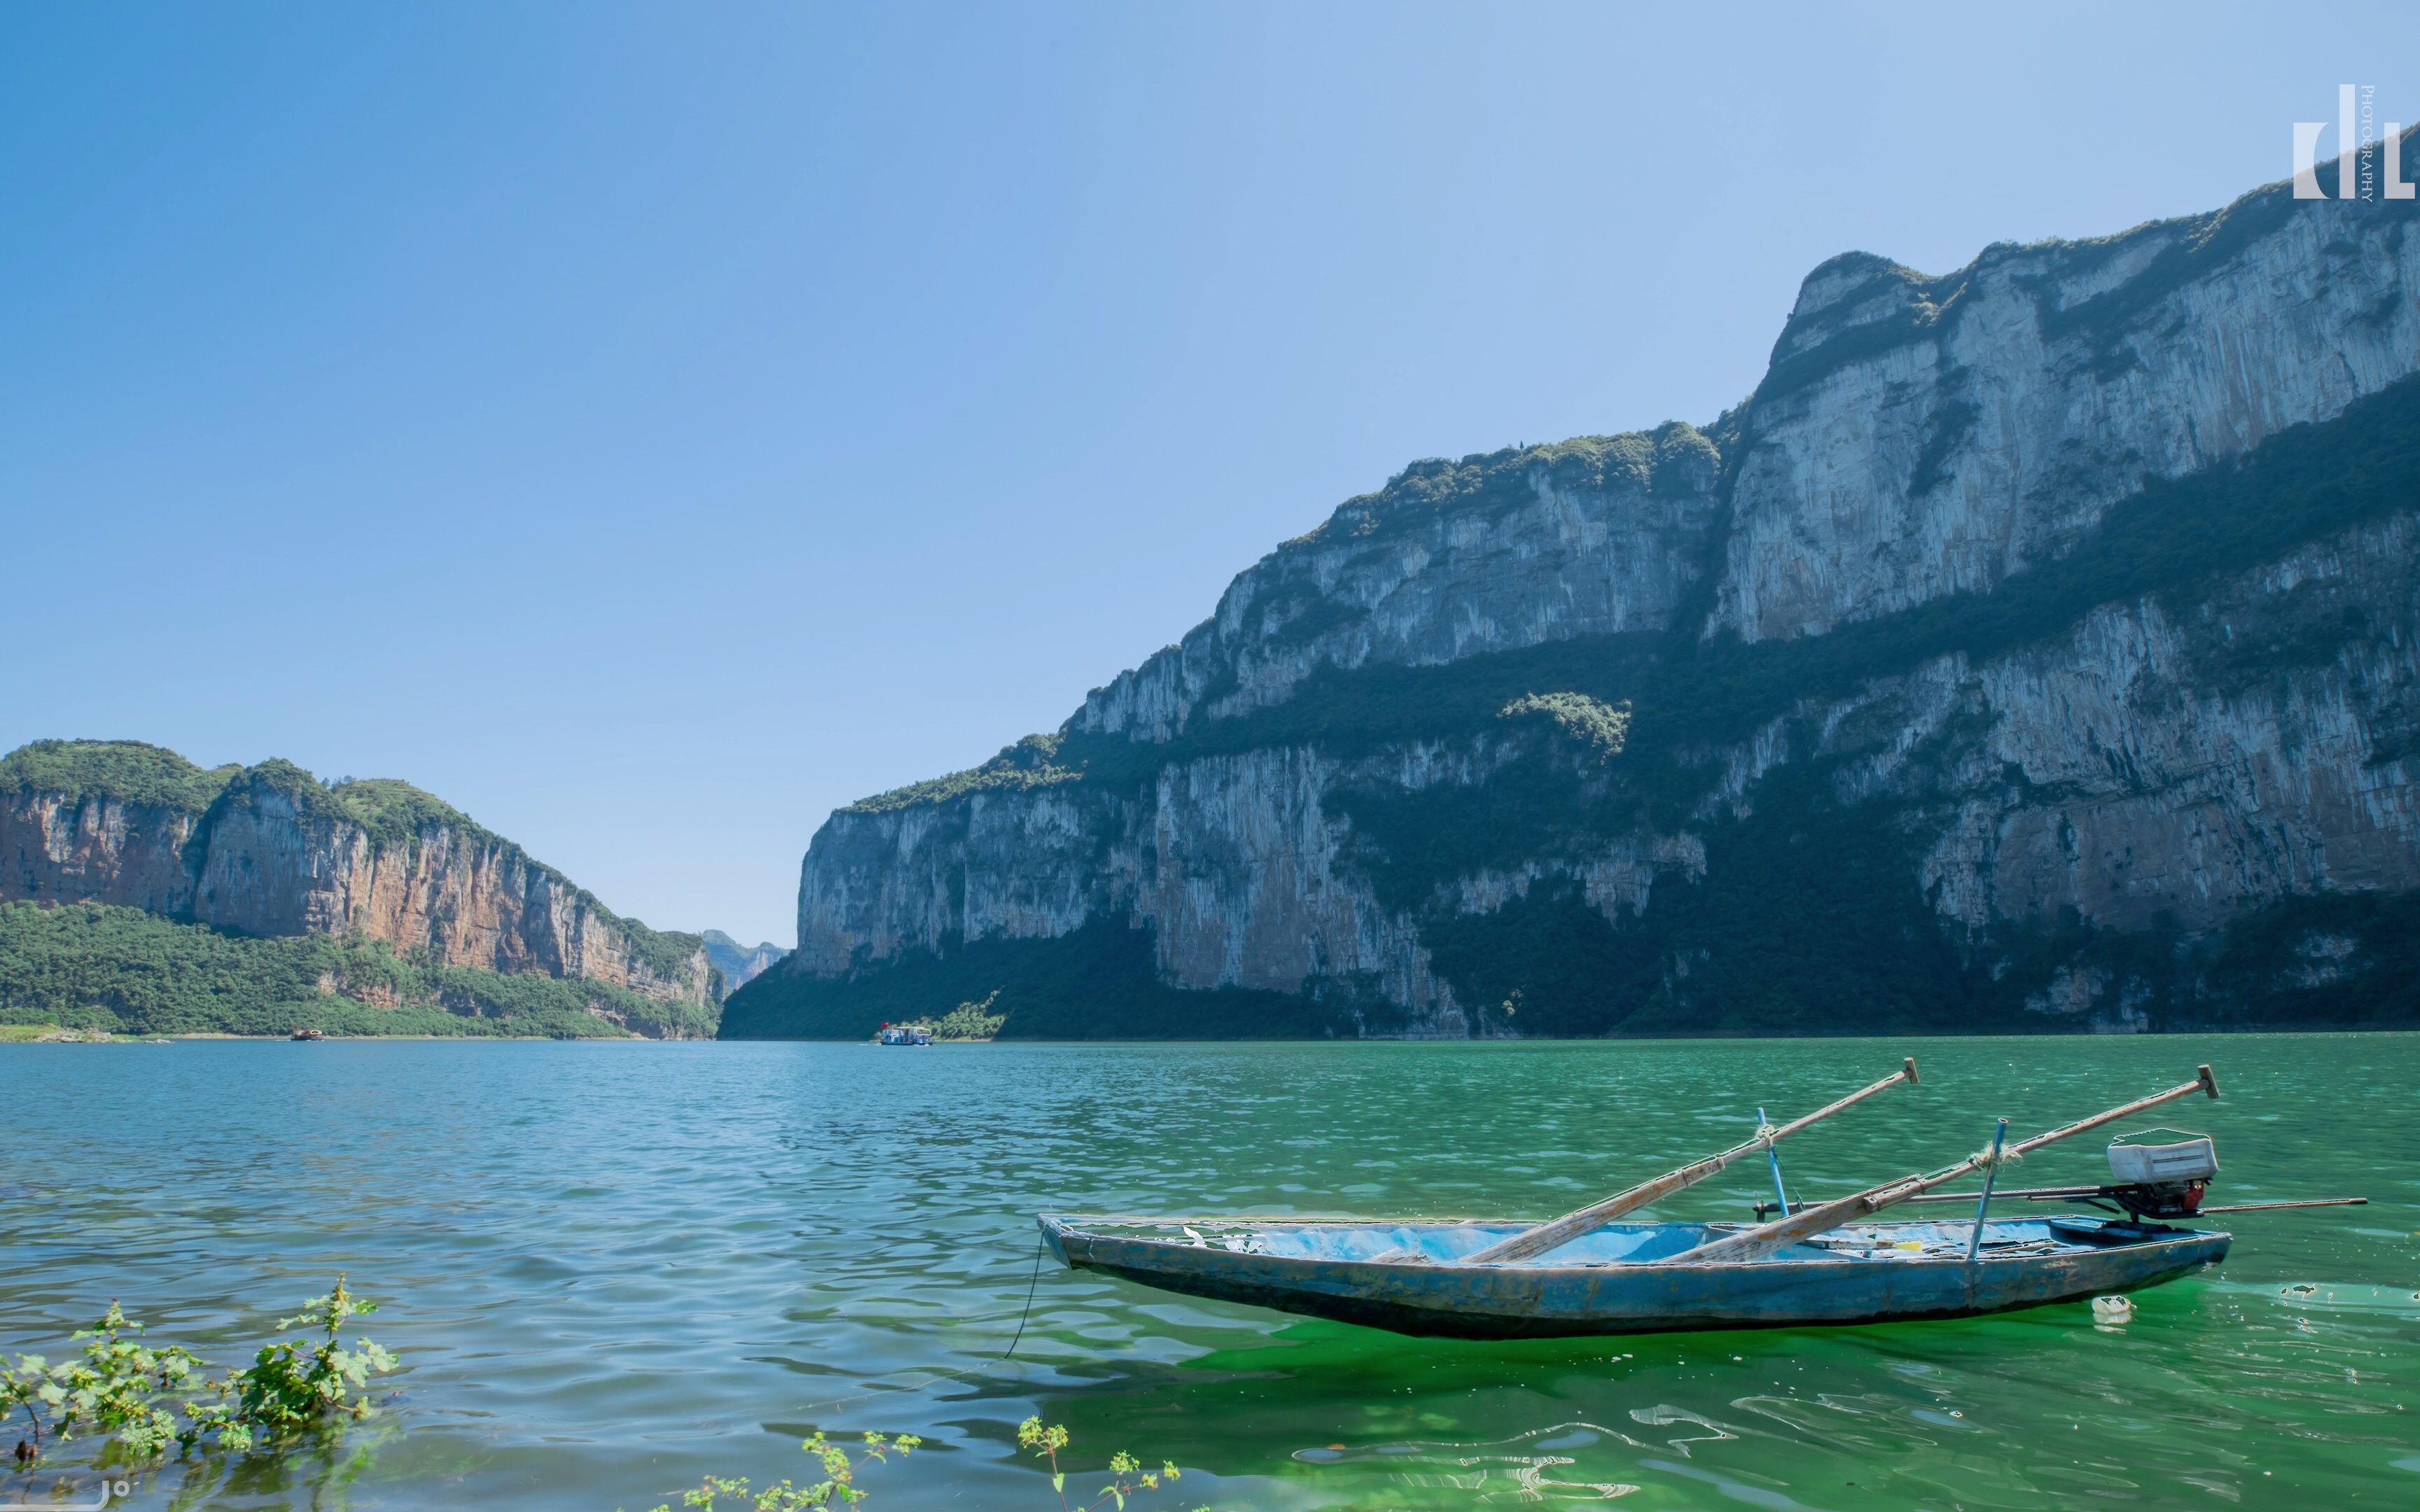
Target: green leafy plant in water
point(151, 1397)
point(118, 1386)
point(294, 1386)
point(1127, 1475)
point(837, 1487)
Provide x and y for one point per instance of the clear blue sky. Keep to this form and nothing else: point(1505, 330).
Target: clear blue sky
point(648, 427)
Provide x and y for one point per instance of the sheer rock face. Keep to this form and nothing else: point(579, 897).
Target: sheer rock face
point(876, 886)
point(1232, 861)
point(2007, 412)
point(2158, 759)
point(261, 863)
point(71, 849)
point(2154, 763)
point(2161, 763)
point(1596, 537)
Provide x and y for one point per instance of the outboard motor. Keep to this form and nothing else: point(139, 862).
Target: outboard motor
point(2162, 1172)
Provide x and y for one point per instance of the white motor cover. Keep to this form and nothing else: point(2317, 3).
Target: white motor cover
point(2191, 1160)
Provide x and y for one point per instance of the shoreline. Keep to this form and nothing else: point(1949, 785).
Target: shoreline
point(52, 1034)
point(54, 1037)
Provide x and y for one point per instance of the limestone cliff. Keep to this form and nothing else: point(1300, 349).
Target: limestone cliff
point(269, 851)
point(2038, 645)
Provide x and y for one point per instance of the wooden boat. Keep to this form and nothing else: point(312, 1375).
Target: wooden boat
point(1405, 1277)
point(1592, 1271)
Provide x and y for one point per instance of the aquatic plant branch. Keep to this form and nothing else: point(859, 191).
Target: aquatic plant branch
point(118, 1386)
point(1127, 1475)
point(837, 1487)
point(147, 1398)
point(292, 1386)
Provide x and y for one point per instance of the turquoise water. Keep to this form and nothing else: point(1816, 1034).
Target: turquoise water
point(612, 1269)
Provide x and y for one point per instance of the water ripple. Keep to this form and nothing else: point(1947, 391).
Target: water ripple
point(612, 1269)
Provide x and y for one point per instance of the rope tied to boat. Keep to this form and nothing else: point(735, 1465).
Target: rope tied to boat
point(1766, 1129)
point(1031, 1283)
point(1987, 1158)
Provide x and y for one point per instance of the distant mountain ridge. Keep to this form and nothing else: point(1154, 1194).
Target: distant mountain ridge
point(2037, 647)
point(739, 963)
point(268, 851)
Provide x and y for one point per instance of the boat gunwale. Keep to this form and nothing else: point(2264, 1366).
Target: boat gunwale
point(1055, 1226)
point(1528, 1300)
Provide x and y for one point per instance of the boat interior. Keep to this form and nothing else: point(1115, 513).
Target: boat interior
point(1626, 1244)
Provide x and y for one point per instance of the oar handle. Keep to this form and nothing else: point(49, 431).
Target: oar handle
point(2205, 1082)
point(1755, 1242)
point(1906, 1072)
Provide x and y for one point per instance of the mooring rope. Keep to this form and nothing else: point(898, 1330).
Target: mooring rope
point(1031, 1287)
point(1033, 1284)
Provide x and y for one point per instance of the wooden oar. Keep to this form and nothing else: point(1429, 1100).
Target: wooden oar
point(2267, 1207)
point(1571, 1226)
point(2061, 1193)
point(1806, 1222)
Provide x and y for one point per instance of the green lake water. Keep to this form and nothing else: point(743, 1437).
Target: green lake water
point(612, 1269)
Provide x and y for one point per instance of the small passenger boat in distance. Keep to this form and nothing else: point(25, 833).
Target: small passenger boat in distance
point(1589, 1273)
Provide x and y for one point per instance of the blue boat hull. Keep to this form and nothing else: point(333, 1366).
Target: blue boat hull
point(1405, 1277)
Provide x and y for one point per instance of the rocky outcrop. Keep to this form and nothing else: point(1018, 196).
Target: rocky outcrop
point(2047, 625)
point(1601, 536)
point(2166, 760)
point(1919, 436)
point(65, 847)
point(269, 851)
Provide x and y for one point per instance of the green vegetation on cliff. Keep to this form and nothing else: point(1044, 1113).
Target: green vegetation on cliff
point(1026, 764)
point(671, 955)
point(1601, 726)
point(90, 967)
point(393, 815)
point(1673, 461)
point(129, 771)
